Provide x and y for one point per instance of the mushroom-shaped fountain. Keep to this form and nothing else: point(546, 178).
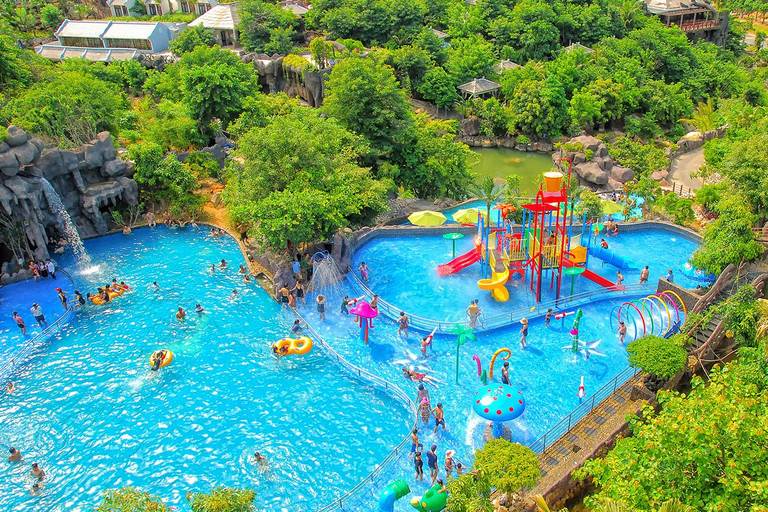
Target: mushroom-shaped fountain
point(498, 403)
point(364, 315)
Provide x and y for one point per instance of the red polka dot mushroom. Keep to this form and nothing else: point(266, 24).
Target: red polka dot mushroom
point(498, 403)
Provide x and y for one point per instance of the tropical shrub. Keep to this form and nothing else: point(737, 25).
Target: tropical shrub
point(222, 499)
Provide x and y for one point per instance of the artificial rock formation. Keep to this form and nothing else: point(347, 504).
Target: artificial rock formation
point(88, 180)
point(600, 173)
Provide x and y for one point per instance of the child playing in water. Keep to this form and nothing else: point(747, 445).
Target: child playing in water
point(523, 333)
point(622, 332)
point(424, 411)
point(364, 271)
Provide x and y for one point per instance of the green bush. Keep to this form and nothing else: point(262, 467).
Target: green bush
point(222, 499)
point(130, 499)
point(191, 38)
point(588, 155)
point(203, 165)
point(641, 158)
point(678, 208)
point(509, 466)
point(523, 139)
point(657, 356)
point(709, 195)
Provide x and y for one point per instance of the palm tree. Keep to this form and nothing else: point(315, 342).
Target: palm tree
point(630, 11)
point(705, 118)
point(489, 192)
point(463, 333)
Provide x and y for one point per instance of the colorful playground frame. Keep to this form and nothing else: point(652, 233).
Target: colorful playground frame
point(662, 302)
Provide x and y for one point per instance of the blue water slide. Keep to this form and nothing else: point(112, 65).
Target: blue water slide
point(610, 258)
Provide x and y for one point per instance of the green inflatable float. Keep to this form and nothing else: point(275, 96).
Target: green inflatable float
point(431, 501)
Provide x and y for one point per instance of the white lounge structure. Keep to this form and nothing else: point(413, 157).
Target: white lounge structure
point(107, 41)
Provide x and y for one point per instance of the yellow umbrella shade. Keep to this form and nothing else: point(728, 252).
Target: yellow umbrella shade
point(467, 215)
point(610, 208)
point(427, 218)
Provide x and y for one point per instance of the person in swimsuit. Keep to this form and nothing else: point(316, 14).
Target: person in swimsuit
point(523, 333)
point(37, 473)
point(425, 342)
point(242, 270)
point(321, 306)
point(291, 300)
point(364, 271)
point(548, 317)
point(432, 462)
point(622, 332)
point(298, 289)
point(199, 309)
point(181, 314)
point(424, 411)
point(37, 312)
point(15, 455)
point(422, 393)
point(375, 302)
point(448, 463)
point(644, 275)
point(297, 326)
point(259, 459)
point(233, 295)
point(615, 230)
point(157, 359)
point(223, 263)
point(418, 462)
point(20, 322)
point(34, 270)
point(284, 292)
point(505, 373)
point(473, 311)
point(80, 301)
point(603, 243)
point(344, 304)
point(414, 440)
point(104, 294)
point(670, 276)
point(619, 277)
point(151, 222)
point(439, 415)
point(402, 324)
point(63, 297)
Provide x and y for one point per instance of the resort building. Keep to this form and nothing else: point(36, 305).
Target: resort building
point(222, 20)
point(107, 41)
point(697, 18)
point(160, 7)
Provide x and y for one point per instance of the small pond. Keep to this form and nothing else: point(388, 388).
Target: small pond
point(500, 162)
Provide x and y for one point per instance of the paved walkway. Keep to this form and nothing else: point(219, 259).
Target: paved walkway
point(684, 166)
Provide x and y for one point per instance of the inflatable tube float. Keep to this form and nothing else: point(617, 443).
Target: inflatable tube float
point(96, 299)
point(287, 346)
point(166, 360)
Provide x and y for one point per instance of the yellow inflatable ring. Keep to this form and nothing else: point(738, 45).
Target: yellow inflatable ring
point(288, 346)
point(166, 360)
point(301, 346)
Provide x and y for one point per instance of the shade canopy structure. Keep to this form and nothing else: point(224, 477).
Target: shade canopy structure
point(427, 218)
point(609, 207)
point(468, 215)
point(573, 272)
point(478, 87)
point(498, 403)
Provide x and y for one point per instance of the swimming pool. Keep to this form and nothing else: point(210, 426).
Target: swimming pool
point(403, 271)
point(547, 375)
point(88, 413)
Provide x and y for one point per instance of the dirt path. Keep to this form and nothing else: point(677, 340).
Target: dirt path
point(684, 166)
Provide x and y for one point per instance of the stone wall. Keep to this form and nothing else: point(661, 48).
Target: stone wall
point(87, 179)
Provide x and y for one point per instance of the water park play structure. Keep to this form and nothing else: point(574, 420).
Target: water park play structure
point(289, 346)
point(658, 314)
point(586, 349)
point(433, 500)
point(364, 315)
point(541, 249)
point(498, 403)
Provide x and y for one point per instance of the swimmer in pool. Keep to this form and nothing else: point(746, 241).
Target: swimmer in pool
point(181, 314)
point(622, 332)
point(258, 458)
point(297, 326)
point(223, 263)
point(603, 243)
point(157, 359)
point(15, 455)
point(199, 309)
point(213, 269)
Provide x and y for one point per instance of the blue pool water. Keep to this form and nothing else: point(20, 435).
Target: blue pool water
point(403, 272)
point(19, 297)
point(89, 412)
point(547, 375)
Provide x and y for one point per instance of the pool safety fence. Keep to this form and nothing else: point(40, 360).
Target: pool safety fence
point(39, 341)
point(502, 320)
point(366, 486)
point(568, 422)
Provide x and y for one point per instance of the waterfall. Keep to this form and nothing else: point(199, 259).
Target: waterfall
point(326, 276)
point(66, 225)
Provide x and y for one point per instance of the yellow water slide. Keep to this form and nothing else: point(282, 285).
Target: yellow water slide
point(499, 274)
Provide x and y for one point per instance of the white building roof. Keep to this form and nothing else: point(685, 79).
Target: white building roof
point(130, 30)
point(82, 28)
point(298, 10)
point(220, 17)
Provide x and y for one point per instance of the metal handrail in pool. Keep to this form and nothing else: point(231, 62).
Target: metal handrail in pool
point(376, 381)
point(564, 426)
point(503, 319)
point(19, 358)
